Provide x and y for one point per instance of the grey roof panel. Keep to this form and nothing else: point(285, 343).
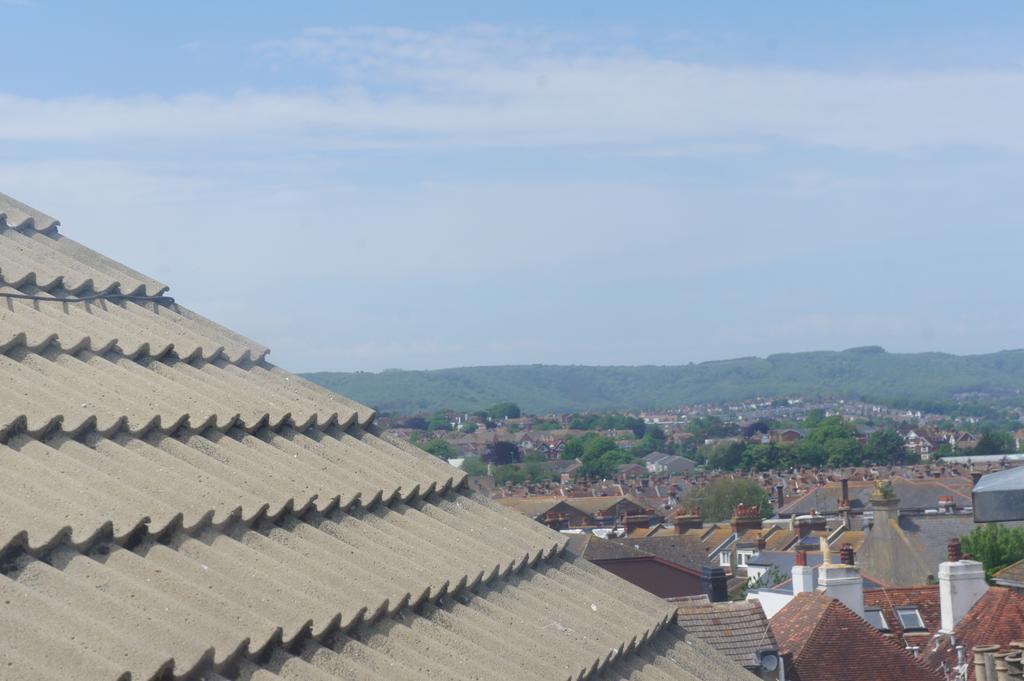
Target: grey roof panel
point(133, 328)
point(172, 504)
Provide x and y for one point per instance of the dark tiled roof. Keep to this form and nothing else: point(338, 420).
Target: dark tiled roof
point(173, 504)
point(829, 642)
point(908, 551)
point(593, 547)
point(679, 549)
point(738, 629)
point(1011, 574)
point(913, 494)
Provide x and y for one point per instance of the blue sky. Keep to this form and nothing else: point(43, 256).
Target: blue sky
point(421, 185)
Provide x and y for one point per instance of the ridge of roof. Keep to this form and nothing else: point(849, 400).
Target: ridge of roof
point(18, 215)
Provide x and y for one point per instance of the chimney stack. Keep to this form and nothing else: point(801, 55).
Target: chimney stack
point(715, 583)
point(803, 574)
point(842, 580)
point(846, 554)
point(636, 522)
point(687, 519)
point(780, 496)
point(845, 482)
point(961, 585)
point(746, 518)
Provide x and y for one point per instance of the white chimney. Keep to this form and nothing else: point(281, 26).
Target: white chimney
point(803, 574)
point(961, 585)
point(842, 580)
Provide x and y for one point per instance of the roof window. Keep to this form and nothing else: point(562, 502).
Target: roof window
point(910, 618)
point(877, 619)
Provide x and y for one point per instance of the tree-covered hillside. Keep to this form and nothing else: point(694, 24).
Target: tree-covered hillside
point(870, 373)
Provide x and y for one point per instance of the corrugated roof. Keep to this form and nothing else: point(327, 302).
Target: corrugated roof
point(172, 503)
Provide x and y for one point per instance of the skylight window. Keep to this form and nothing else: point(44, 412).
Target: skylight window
point(910, 618)
point(876, 618)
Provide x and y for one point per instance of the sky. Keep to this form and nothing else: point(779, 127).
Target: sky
point(363, 186)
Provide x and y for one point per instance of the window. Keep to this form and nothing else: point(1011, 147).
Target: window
point(910, 618)
point(877, 619)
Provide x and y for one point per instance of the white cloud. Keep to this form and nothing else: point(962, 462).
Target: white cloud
point(486, 88)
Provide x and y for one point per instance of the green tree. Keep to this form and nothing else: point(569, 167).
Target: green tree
point(469, 428)
point(814, 418)
point(474, 466)
point(727, 456)
point(886, 447)
point(718, 500)
point(512, 474)
point(503, 410)
point(994, 442)
point(995, 545)
point(440, 448)
point(439, 421)
point(501, 453)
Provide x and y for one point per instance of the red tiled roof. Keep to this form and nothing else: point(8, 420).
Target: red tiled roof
point(924, 598)
point(996, 619)
point(829, 642)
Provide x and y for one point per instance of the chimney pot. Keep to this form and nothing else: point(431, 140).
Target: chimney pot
point(953, 550)
point(846, 554)
point(801, 557)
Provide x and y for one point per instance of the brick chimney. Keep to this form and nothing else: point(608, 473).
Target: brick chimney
point(961, 585)
point(715, 582)
point(687, 519)
point(636, 522)
point(845, 498)
point(746, 518)
point(780, 496)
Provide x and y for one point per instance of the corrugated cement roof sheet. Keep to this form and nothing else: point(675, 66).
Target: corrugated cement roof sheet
point(172, 504)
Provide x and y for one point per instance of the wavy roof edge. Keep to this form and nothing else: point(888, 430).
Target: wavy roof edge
point(19, 216)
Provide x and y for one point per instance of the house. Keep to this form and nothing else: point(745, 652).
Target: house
point(658, 462)
point(822, 639)
point(923, 442)
point(655, 574)
point(977, 621)
point(173, 505)
point(905, 549)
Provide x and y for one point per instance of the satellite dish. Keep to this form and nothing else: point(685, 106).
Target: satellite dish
point(769, 662)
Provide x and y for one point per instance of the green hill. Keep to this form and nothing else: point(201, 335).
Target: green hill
point(868, 372)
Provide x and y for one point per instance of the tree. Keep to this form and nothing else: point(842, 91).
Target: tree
point(995, 545)
point(439, 421)
point(814, 418)
point(503, 410)
point(501, 453)
point(513, 474)
point(726, 456)
point(718, 500)
point(886, 447)
point(994, 442)
point(474, 466)
point(415, 423)
point(440, 448)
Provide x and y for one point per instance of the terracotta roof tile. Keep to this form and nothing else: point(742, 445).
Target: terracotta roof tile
point(829, 642)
